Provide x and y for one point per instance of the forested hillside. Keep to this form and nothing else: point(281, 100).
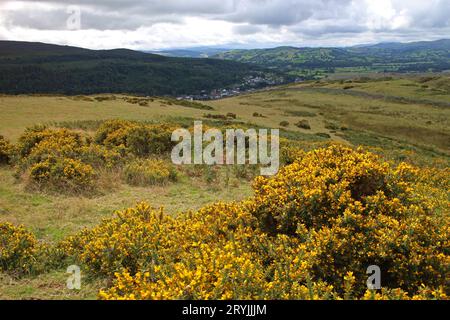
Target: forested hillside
point(43, 68)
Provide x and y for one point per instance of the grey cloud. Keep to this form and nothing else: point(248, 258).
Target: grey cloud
point(329, 29)
point(91, 18)
point(150, 7)
point(271, 12)
point(112, 13)
point(38, 19)
point(246, 29)
point(320, 19)
point(437, 16)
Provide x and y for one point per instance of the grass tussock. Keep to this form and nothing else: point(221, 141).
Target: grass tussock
point(144, 172)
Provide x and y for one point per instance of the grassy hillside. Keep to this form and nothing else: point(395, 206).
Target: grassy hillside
point(414, 110)
point(310, 62)
point(410, 109)
point(43, 68)
point(400, 119)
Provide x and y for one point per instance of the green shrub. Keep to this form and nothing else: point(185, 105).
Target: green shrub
point(331, 125)
point(100, 157)
point(258, 115)
point(243, 171)
point(188, 104)
point(303, 124)
point(105, 98)
point(150, 140)
point(323, 135)
point(211, 175)
point(215, 116)
point(300, 113)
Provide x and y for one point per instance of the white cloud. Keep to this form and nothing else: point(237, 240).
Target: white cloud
point(155, 24)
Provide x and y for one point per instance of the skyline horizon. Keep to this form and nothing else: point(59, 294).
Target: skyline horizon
point(233, 46)
point(173, 24)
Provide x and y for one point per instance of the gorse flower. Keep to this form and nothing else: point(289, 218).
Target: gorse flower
point(355, 210)
point(308, 233)
point(19, 249)
point(63, 173)
point(136, 138)
point(65, 160)
point(6, 151)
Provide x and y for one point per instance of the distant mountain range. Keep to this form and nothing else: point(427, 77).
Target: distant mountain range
point(391, 57)
point(195, 52)
point(27, 67)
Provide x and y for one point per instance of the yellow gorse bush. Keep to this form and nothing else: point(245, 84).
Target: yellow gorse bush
point(38, 144)
point(136, 138)
point(6, 151)
point(63, 173)
point(19, 249)
point(37, 141)
point(51, 157)
point(308, 233)
point(356, 210)
point(321, 185)
point(100, 157)
point(62, 159)
point(215, 253)
point(67, 160)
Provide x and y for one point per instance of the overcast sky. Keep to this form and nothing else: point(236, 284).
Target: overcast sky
point(161, 24)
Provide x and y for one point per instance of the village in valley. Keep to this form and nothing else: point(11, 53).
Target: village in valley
point(249, 84)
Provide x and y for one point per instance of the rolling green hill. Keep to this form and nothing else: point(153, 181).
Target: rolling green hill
point(44, 68)
point(391, 57)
